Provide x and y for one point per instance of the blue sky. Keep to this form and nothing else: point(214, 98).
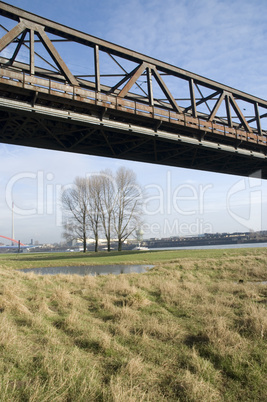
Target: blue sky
point(221, 40)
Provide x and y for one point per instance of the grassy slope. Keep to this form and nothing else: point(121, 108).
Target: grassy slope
point(186, 330)
point(30, 260)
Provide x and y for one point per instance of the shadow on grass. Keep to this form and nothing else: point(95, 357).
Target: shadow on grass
point(193, 340)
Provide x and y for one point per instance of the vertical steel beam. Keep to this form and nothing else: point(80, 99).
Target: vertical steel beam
point(228, 110)
point(257, 115)
point(32, 52)
point(97, 68)
point(192, 97)
point(149, 86)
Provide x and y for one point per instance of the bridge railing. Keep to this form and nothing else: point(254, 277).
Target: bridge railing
point(218, 110)
point(86, 96)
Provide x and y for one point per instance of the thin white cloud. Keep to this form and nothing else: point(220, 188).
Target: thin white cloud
point(221, 40)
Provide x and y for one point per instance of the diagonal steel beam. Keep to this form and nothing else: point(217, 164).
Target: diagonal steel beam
point(24, 43)
point(82, 139)
point(165, 90)
point(27, 25)
point(203, 97)
point(140, 143)
point(239, 113)
point(56, 56)
point(216, 106)
point(17, 127)
point(174, 154)
point(108, 143)
point(123, 69)
point(204, 100)
point(51, 133)
point(145, 67)
point(126, 77)
point(11, 35)
point(135, 74)
point(21, 41)
point(215, 158)
point(16, 13)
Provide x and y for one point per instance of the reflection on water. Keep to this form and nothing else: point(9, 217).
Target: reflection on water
point(91, 270)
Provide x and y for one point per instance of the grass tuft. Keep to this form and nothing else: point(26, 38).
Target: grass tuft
point(187, 330)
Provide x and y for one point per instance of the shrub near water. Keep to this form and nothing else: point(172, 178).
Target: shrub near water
point(186, 330)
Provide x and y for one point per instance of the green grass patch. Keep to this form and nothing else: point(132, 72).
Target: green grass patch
point(32, 260)
point(187, 330)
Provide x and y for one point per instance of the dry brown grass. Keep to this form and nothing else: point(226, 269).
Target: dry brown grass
point(199, 390)
point(186, 331)
point(254, 320)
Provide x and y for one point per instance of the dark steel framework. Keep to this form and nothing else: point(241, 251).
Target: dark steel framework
point(124, 105)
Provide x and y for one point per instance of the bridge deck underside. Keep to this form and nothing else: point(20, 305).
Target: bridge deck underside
point(55, 125)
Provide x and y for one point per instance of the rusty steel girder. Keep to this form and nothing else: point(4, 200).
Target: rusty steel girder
point(165, 104)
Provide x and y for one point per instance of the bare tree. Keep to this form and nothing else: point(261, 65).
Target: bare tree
point(107, 203)
point(103, 201)
point(94, 206)
point(75, 203)
point(127, 208)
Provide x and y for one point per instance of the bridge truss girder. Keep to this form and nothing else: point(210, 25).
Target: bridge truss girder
point(140, 109)
point(58, 129)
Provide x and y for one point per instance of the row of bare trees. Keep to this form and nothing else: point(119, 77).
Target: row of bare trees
point(102, 204)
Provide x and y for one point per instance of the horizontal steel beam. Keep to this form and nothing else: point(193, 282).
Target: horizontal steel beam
point(16, 13)
point(97, 121)
point(56, 109)
point(13, 83)
point(44, 127)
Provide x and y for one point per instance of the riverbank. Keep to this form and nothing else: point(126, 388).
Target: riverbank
point(187, 330)
point(38, 260)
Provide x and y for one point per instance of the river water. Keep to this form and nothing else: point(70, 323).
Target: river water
point(126, 269)
point(217, 246)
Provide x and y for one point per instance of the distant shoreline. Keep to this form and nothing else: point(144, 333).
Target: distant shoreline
point(202, 243)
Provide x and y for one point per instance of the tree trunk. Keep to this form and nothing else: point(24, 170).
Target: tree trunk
point(119, 244)
point(96, 244)
point(108, 242)
point(84, 242)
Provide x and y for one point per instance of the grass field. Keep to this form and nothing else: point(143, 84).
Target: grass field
point(187, 330)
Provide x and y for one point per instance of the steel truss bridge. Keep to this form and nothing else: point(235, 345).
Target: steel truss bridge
point(65, 90)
